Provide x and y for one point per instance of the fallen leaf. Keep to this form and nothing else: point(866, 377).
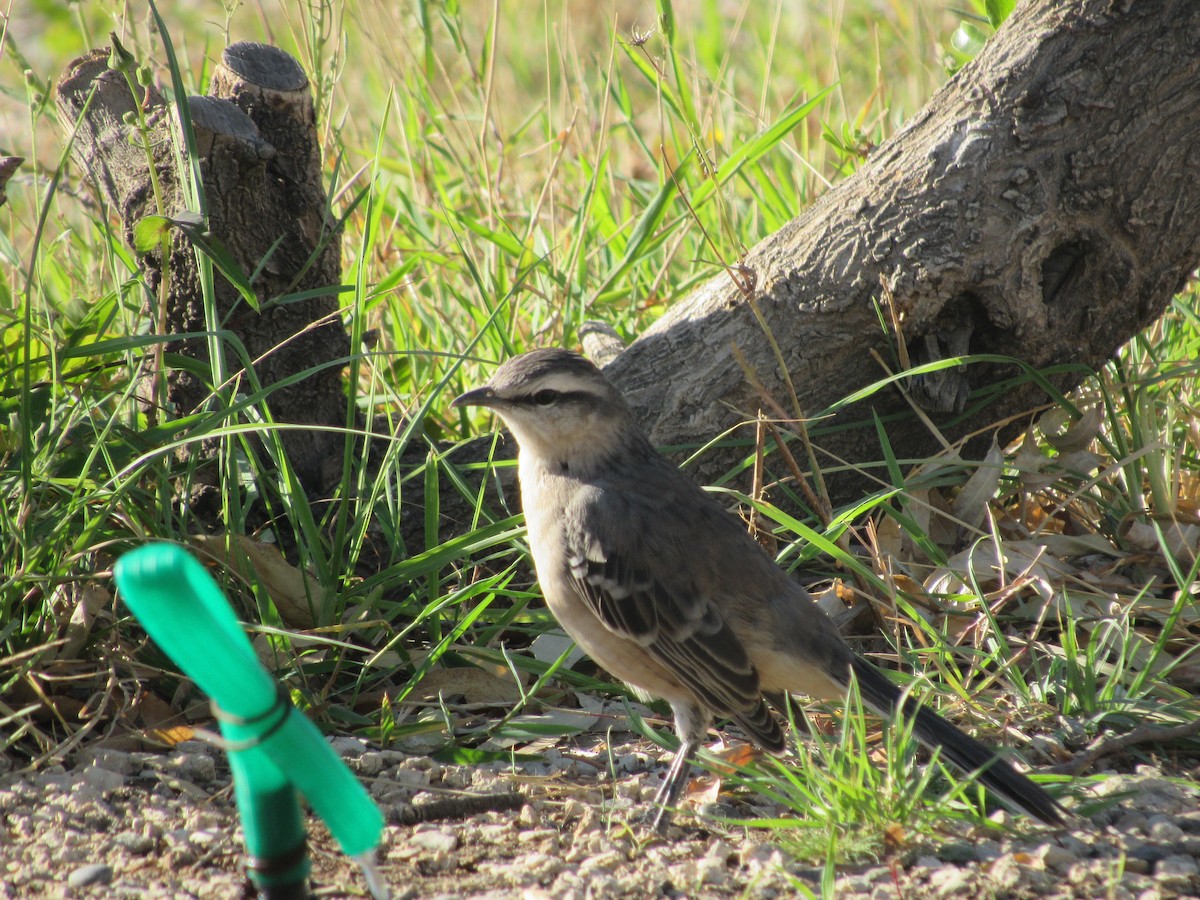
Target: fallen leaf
point(895, 837)
point(474, 685)
point(1066, 546)
point(176, 734)
point(550, 645)
point(738, 755)
point(1030, 463)
point(1080, 463)
point(1181, 540)
point(889, 537)
point(970, 506)
point(703, 789)
point(1078, 436)
point(88, 600)
point(942, 530)
point(299, 597)
point(706, 788)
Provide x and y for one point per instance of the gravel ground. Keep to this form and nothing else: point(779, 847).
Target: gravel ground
point(119, 824)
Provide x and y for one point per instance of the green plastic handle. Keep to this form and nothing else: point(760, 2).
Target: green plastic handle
point(272, 825)
point(185, 612)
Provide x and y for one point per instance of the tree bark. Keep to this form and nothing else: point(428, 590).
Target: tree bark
point(1044, 205)
point(8, 168)
point(260, 163)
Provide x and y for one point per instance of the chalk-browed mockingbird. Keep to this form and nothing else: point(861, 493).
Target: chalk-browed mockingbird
point(668, 592)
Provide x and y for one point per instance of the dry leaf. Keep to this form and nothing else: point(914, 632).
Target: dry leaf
point(549, 646)
point(557, 723)
point(1186, 676)
point(388, 659)
point(176, 734)
point(738, 755)
point(921, 512)
point(1066, 546)
point(830, 601)
point(88, 599)
point(1053, 421)
point(706, 788)
point(1079, 462)
point(942, 530)
point(970, 506)
point(300, 599)
point(1181, 540)
point(152, 713)
point(1018, 559)
point(889, 538)
point(1030, 463)
point(1040, 519)
point(703, 789)
point(1079, 435)
point(908, 585)
point(895, 837)
point(472, 684)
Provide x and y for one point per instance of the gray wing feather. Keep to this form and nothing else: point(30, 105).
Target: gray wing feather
point(656, 604)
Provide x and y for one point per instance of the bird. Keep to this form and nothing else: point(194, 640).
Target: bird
point(665, 589)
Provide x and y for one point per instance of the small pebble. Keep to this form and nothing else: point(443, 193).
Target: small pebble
point(1056, 857)
point(94, 873)
point(604, 862)
point(139, 844)
point(540, 834)
point(115, 761)
point(573, 809)
point(958, 852)
point(104, 780)
point(1134, 820)
point(529, 816)
point(949, 881)
point(1074, 845)
point(1148, 853)
point(1005, 873)
point(1176, 871)
point(1163, 830)
point(202, 837)
point(435, 841)
point(348, 747)
point(198, 767)
point(369, 764)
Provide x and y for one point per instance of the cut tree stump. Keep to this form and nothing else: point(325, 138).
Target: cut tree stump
point(260, 162)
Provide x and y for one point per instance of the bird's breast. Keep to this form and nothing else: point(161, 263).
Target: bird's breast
point(546, 497)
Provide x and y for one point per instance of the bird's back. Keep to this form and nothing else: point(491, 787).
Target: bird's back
point(789, 640)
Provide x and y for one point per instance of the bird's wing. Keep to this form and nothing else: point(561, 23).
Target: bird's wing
point(652, 599)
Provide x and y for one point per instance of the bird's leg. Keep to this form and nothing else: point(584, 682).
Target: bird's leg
point(691, 724)
point(677, 778)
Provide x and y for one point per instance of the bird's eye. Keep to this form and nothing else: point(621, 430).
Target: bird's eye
point(546, 397)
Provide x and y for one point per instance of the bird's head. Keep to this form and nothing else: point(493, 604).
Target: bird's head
point(559, 407)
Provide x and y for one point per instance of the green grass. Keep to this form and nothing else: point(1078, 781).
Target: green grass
point(847, 802)
point(503, 178)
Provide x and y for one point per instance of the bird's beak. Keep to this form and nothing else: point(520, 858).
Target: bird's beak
point(483, 396)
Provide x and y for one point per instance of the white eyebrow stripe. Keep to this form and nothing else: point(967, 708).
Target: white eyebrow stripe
point(563, 382)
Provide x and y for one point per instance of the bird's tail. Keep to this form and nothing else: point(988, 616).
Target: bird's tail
point(964, 751)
